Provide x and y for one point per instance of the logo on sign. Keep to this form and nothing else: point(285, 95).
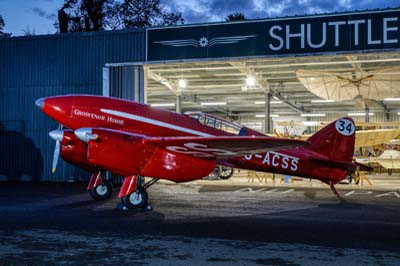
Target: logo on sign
point(203, 42)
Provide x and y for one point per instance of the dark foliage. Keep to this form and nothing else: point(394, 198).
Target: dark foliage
point(97, 15)
point(2, 24)
point(237, 16)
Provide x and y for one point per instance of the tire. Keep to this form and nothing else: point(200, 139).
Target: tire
point(214, 175)
point(137, 199)
point(102, 191)
point(226, 172)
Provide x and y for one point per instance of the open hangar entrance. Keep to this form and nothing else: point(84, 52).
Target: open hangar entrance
point(251, 72)
point(221, 87)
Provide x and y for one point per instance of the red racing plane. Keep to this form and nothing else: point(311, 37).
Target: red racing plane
point(134, 140)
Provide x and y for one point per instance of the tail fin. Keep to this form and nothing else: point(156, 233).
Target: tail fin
point(335, 141)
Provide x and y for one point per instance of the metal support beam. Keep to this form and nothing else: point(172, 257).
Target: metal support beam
point(267, 119)
point(287, 101)
point(173, 87)
point(164, 81)
point(178, 104)
point(195, 99)
point(106, 81)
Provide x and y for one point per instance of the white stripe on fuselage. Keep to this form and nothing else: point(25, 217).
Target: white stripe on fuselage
point(155, 122)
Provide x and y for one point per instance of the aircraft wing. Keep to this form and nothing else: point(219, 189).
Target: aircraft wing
point(222, 147)
point(368, 138)
point(175, 158)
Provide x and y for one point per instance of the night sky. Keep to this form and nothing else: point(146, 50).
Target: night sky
point(40, 15)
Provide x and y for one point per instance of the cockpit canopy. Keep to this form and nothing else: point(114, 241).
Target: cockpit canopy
point(215, 122)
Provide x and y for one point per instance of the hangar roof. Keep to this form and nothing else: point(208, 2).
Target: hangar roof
point(210, 81)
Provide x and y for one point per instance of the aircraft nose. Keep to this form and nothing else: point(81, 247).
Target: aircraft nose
point(40, 103)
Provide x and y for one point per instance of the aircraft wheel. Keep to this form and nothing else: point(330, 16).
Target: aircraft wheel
point(137, 199)
point(102, 191)
point(226, 172)
point(214, 175)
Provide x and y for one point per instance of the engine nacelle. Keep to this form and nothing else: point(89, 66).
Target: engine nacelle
point(74, 151)
point(128, 153)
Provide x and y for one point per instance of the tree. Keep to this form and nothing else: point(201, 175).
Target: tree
point(96, 15)
point(82, 15)
point(142, 13)
point(28, 31)
point(2, 24)
point(237, 16)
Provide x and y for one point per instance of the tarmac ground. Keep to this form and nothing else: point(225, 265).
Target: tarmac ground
point(200, 223)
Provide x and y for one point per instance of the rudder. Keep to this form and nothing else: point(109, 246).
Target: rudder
point(335, 141)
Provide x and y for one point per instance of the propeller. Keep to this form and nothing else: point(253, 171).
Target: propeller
point(56, 135)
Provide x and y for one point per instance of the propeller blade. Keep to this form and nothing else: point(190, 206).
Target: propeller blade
point(55, 156)
point(56, 135)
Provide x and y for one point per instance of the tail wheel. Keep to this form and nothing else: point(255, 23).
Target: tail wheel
point(137, 199)
point(226, 172)
point(102, 191)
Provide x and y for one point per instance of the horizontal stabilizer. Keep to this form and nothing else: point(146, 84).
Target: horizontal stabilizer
point(349, 166)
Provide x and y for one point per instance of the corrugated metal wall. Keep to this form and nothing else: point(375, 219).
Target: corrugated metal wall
point(40, 66)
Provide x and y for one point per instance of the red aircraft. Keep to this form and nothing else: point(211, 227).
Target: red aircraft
point(135, 140)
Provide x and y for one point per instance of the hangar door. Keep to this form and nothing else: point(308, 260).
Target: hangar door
point(126, 82)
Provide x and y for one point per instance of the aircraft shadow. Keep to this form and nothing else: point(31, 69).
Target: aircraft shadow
point(19, 156)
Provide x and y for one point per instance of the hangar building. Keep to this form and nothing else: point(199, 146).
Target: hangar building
point(254, 72)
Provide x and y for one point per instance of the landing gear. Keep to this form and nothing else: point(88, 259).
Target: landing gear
point(220, 172)
point(99, 187)
point(226, 172)
point(103, 191)
point(134, 194)
point(137, 199)
point(334, 190)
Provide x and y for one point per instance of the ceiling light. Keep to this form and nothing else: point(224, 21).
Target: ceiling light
point(359, 114)
point(271, 102)
point(311, 123)
point(250, 81)
point(391, 99)
point(263, 115)
point(312, 115)
point(322, 101)
point(163, 104)
point(182, 83)
point(213, 103)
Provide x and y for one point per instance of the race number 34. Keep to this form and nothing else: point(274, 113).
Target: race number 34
point(345, 127)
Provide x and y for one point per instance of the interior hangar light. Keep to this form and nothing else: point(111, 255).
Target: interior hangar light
point(359, 114)
point(322, 101)
point(182, 83)
point(312, 115)
point(213, 103)
point(250, 81)
point(263, 115)
point(263, 102)
point(162, 104)
point(391, 99)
